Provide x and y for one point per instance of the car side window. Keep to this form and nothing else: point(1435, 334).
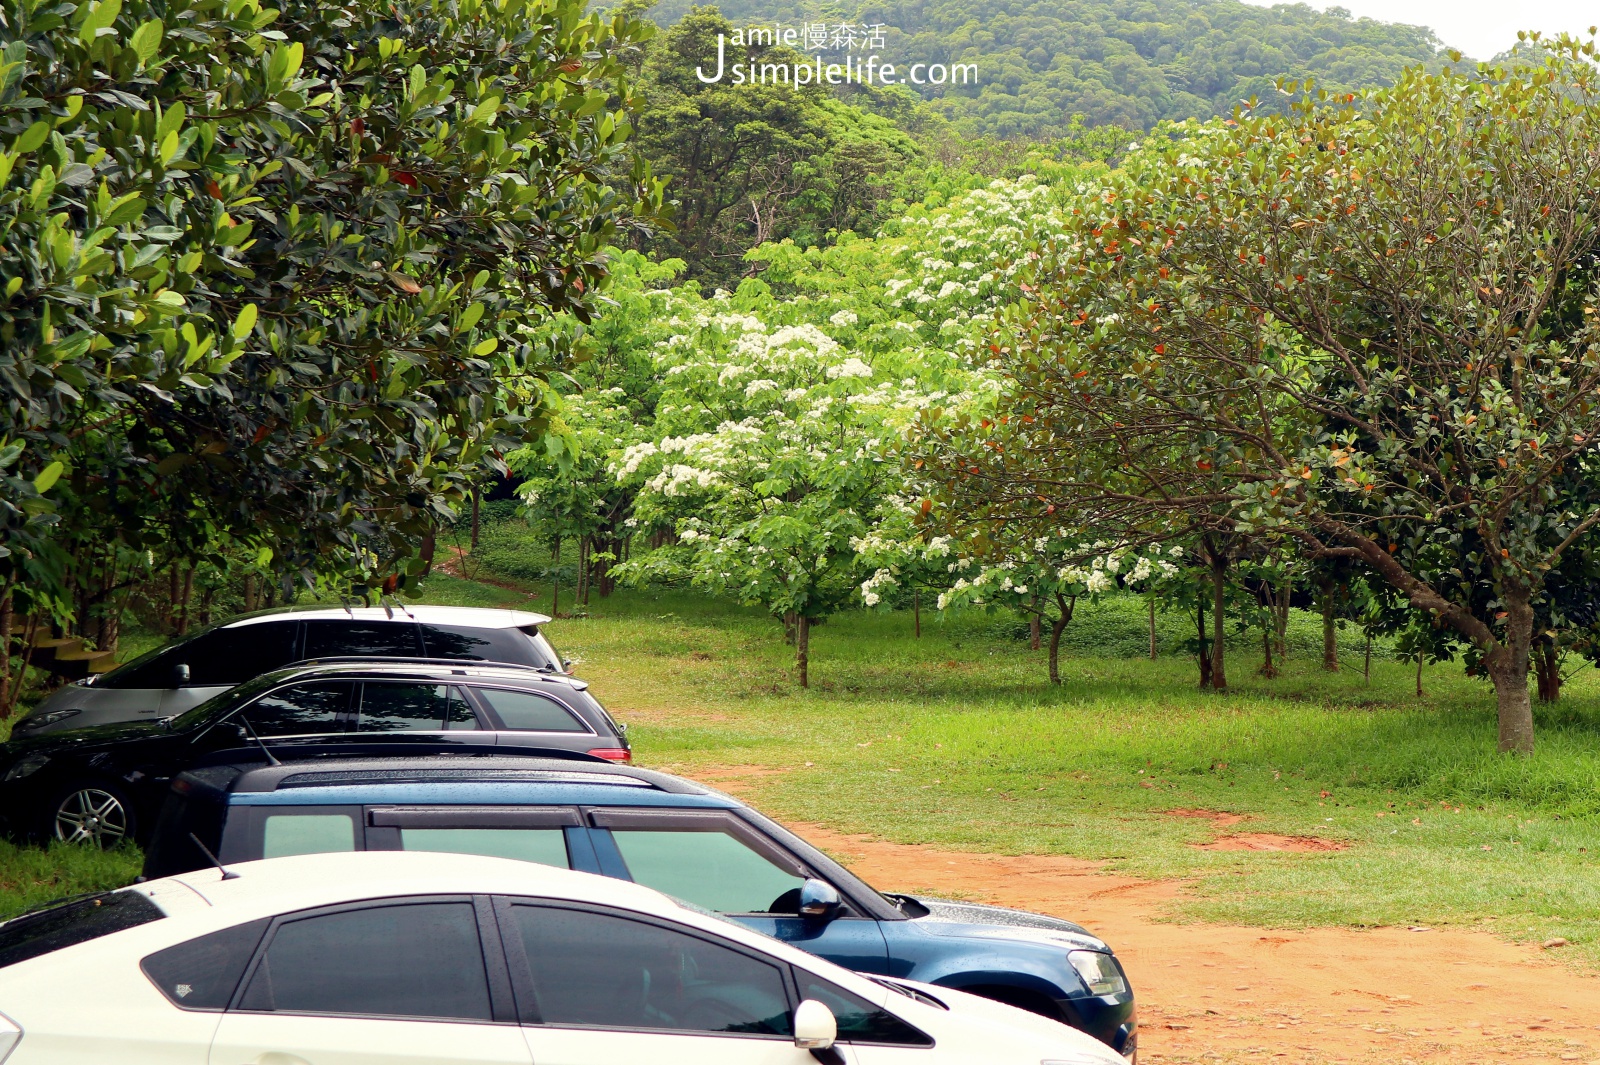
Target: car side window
point(388, 707)
point(601, 970)
point(529, 711)
point(859, 1020)
point(299, 709)
point(416, 959)
point(289, 832)
point(220, 657)
point(368, 639)
point(713, 869)
point(203, 973)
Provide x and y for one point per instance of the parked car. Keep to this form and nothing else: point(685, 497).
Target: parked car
point(102, 785)
point(661, 831)
point(185, 673)
point(401, 959)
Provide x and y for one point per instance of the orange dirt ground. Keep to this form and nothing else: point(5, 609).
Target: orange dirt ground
point(1215, 993)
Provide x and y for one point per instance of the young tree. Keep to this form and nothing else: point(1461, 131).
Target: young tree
point(1374, 317)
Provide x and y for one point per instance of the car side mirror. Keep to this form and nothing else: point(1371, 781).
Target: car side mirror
point(819, 900)
point(180, 675)
point(814, 1026)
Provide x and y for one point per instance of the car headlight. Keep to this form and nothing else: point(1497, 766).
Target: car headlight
point(46, 719)
point(26, 766)
point(1099, 972)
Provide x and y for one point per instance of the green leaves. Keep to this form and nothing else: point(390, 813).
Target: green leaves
point(146, 40)
point(47, 477)
point(162, 228)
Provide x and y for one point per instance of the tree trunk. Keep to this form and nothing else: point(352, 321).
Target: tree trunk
point(1281, 617)
point(1219, 591)
point(555, 578)
point(1507, 665)
point(1330, 631)
point(1419, 674)
point(1035, 627)
point(5, 636)
point(1366, 664)
point(1268, 670)
point(581, 597)
point(791, 628)
point(916, 612)
point(1547, 669)
point(30, 632)
point(1064, 608)
point(186, 594)
point(475, 501)
point(249, 592)
point(1205, 647)
point(1152, 629)
point(802, 650)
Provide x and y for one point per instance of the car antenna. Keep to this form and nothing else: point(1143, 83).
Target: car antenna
point(227, 874)
point(272, 759)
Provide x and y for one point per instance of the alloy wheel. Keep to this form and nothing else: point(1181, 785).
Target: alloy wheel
point(92, 815)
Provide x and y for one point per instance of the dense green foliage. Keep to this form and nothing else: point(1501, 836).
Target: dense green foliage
point(268, 276)
point(750, 164)
point(1130, 63)
point(1364, 329)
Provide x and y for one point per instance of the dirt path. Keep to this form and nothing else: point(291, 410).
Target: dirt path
point(1218, 993)
point(1221, 993)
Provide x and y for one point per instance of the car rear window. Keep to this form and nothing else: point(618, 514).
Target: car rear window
point(464, 643)
point(526, 711)
point(66, 924)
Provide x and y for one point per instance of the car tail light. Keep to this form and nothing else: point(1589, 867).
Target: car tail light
point(612, 754)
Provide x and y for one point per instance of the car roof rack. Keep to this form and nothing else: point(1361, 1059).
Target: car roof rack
point(512, 765)
point(454, 664)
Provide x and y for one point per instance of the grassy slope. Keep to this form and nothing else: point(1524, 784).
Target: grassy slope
point(955, 740)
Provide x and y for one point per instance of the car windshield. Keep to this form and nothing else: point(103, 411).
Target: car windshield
point(110, 679)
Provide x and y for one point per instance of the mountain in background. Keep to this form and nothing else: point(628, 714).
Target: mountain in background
point(1130, 63)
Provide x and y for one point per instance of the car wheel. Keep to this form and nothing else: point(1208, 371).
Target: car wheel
point(93, 813)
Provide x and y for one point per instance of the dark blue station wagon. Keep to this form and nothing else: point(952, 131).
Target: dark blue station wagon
point(671, 834)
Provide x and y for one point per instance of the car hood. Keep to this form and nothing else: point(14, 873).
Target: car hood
point(93, 736)
point(974, 920)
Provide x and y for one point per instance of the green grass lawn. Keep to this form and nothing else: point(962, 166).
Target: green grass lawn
point(956, 739)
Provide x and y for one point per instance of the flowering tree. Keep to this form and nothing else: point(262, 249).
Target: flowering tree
point(1048, 575)
point(1367, 326)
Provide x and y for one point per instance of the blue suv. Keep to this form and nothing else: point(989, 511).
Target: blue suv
point(679, 837)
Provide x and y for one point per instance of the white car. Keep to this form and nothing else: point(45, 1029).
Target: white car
point(394, 958)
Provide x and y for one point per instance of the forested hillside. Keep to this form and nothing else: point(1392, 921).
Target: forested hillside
point(1126, 62)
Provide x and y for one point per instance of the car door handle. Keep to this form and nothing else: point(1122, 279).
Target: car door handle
point(278, 1057)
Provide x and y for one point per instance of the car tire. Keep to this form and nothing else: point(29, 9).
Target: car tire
point(93, 812)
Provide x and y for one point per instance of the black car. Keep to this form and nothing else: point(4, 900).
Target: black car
point(181, 675)
point(104, 784)
point(696, 844)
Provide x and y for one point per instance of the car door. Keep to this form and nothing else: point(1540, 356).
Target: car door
point(714, 860)
point(389, 982)
point(601, 987)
